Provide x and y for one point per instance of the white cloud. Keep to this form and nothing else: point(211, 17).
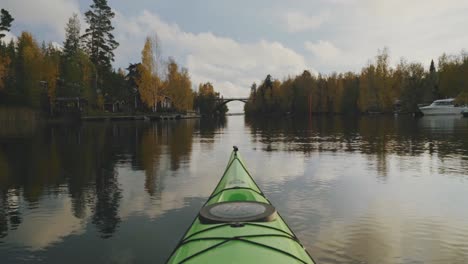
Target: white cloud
point(346, 34)
point(37, 233)
point(299, 22)
point(230, 65)
point(57, 46)
point(417, 30)
point(52, 14)
point(324, 50)
point(8, 37)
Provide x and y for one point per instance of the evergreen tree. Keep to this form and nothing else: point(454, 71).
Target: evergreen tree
point(133, 75)
point(268, 82)
point(72, 37)
point(5, 22)
point(98, 39)
point(432, 69)
point(253, 90)
point(10, 76)
point(433, 81)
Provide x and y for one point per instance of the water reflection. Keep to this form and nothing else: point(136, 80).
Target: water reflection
point(386, 135)
point(378, 137)
point(410, 213)
point(373, 189)
point(82, 161)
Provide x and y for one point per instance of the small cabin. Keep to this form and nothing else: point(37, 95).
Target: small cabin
point(69, 104)
point(114, 106)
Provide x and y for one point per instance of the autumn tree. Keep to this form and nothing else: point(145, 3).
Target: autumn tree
point(412, 85)
point(206, 100)
point(29, 66)
point(453, 75)
point(178, 86)
point(368, 94)
point(306, 94)
point(383, 82)
point(4, 64)
point(50, 71)
point(147, 80)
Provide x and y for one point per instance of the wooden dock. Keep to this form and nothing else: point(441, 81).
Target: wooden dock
point(138, 117)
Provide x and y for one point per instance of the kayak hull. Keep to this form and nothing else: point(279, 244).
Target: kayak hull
point(266, 240)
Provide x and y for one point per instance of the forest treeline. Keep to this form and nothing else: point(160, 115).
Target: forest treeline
point(377, 88)
point(37, 75)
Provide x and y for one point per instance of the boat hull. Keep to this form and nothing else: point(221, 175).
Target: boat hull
point(262, 241)
point(429, 110)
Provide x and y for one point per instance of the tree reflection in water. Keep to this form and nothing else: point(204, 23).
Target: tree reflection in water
point(345, 184)
point(82, 160)
point(377, 137)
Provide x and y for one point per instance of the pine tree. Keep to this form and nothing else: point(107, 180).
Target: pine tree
point(253, 90)
point(72, 37)
point(98, 39)
point(5, 22)
point(432, 68)
point(10, 78)
point(433, 82)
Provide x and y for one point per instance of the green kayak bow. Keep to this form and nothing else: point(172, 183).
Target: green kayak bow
point(239, 225)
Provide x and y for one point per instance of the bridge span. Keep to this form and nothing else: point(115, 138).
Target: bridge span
point(222, 101)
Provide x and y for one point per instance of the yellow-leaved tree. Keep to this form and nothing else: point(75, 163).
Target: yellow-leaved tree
point(4, 63)
point(50, 70)
point(148, 81)
point(178, 87)
point(30, 63)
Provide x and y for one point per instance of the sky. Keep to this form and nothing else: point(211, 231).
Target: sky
point(235, 43)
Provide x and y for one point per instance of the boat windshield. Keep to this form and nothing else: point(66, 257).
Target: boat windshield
point(443, 103)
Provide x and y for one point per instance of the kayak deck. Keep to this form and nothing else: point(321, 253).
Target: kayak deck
point(263, 241)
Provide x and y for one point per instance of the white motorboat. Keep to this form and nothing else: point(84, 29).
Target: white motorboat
point(443, 107)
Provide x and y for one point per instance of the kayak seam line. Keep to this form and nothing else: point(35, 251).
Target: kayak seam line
point(290, 233)
point(217, 185)
point(242, 239)
point(245, 224)
point(237, 237)
point(248, 173)
point(202, 231)
point(276, 249)
point(273, 228)
point(203, 251)
point(256, 185)
point(224, 174)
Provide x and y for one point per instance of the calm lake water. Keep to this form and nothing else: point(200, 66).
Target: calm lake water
point(368, 190)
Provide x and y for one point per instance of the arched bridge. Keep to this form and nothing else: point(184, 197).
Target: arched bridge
point(222, 101)
point(227, 100)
